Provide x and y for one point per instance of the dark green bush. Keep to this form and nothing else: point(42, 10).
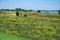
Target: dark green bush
point(38, 11)
point(25, 15)
point(17, 13)
point(0, 12)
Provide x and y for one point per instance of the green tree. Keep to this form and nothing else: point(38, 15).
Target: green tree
point(38, 11)
point(17, 13)
point(58, 11)
point(0, 12)
point(18, 9)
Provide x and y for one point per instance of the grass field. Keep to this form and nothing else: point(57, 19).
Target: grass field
point(34, 26)
point(4, 36)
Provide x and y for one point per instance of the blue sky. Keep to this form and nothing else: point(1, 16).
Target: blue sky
point(30, 4)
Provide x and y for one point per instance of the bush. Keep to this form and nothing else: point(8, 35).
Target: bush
point(58, 11)
point(25, 15)
point(38, 11)
point(17, 13)
point(0, 12)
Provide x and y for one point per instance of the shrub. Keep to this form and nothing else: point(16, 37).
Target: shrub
point(25, 15)
point(58, 11)
point(0, 12)
point(38, 11)
point(17, 13)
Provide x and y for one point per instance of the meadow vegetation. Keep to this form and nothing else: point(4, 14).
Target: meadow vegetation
point(4, 36)
point(33, 26)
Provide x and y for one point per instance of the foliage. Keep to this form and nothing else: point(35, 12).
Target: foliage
point(25, 15)
point(34, 27)
point(58, 11)
point(17, 13)
point(0, 12)
point(38, 11)
point(4, 36)
point(18, 9)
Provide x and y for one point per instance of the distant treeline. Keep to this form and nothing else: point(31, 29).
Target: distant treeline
point(16, 9)
point(39, 11)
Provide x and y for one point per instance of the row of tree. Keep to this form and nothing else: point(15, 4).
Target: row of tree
point(19, 9)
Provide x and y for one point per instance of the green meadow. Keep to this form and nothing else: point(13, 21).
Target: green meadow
point(4, 36)
point(33, 27)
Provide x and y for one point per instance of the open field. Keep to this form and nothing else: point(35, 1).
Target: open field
point(34, 26)
point(4, 36)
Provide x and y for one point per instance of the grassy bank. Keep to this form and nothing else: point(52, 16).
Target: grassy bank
point(4, 36)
